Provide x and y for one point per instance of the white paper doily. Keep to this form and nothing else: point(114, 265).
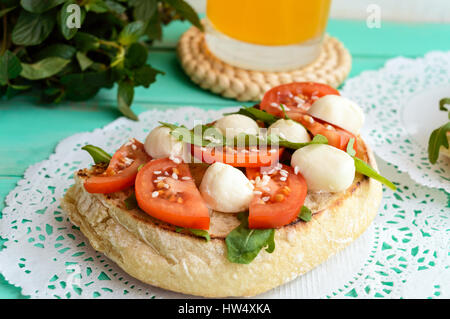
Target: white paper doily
point(400, 102)
point(405, 253)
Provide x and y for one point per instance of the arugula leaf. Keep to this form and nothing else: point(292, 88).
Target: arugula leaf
point(286, 117)
point(365, 169)
point(196, 232)
point(305, 214)
point(97, 154)
point(131, 202)
point(442, 103)
point(244, 244)
point(318, 139)
point(257, 115)
point(437, 139)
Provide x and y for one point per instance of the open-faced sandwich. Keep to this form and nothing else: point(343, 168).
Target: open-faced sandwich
point(237, 206)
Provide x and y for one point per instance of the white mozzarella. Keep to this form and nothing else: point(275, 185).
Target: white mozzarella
point(339, 111)
point(232, 125)
point(324, 167)
point(226, 189)
point(160, 143)
point(289, 130)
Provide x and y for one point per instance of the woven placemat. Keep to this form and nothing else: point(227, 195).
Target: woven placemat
point(331, 67)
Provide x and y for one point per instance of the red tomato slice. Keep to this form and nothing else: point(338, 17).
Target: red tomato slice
point(121, 171)
point(336, 136)
point(296, 97)
point(166, 191)
point(281, 198)
point(238, 157)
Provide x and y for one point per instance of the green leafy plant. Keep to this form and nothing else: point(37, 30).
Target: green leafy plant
point(438, 137)
point(43, 52)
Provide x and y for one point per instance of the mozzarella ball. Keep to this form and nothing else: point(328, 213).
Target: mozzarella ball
point(160, 143)
point(226, 189)
point(289, 130)
point(232, 125)
point(339, 111)
point(324, 167)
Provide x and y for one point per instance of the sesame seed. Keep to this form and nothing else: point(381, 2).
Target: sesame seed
point(174, 176)
point(284, 172)
point(155, 194)
point(265, 198)
point(257, 192)
point(157, 172)
point(133, 146)
point(283, 179)
point(296, 170)
point(186, 178)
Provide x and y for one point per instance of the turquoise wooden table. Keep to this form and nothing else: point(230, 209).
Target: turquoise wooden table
point(29, 132)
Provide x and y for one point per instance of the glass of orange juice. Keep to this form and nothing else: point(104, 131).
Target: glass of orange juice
point(266, 35)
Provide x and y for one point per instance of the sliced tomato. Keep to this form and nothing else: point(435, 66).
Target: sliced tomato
point(336, 136)
point(279, 196)
point(166, 191)
point(122, 169)
point(238, 156)
point(296, 97)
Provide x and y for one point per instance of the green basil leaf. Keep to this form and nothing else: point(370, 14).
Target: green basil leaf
point(32, 28)
point(244, 244)
point(186, 11)
point(131, 202)
point(10, 67)
point(5, 11)
point(43, 69)
point(136, 56)
point(144, 75)
point(144, 10)
point(97, 154)
point(86, 41)
point(63, 16)
point(365, 169)
point(125, 95)
point(61, 50)
point(97, 6)
point(131, 33)
point(114, 6)
point(305, 214)
point(83, 61)
point(40, 6)
point(437, 139)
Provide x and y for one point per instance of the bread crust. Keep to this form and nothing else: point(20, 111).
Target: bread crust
point(154, 253)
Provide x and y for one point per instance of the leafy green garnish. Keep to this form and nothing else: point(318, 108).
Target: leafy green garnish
point(131, 202)
point(318, 139)
point(243, 244)
point(196, 232)
point(286, 117)
point(257, 115)
point(365, 169)
point(97, 154)
point(437, 139)
point(305, 214)
point(70, 49)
